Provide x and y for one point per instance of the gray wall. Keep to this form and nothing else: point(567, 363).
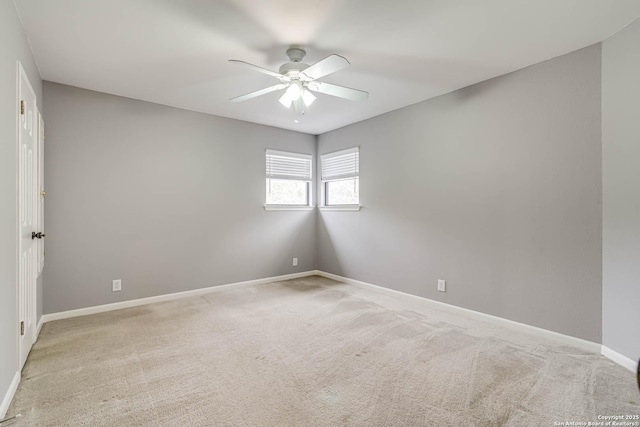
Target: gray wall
point(621, 191)
point(495, 188)
point(165, 199)
point(14, 48)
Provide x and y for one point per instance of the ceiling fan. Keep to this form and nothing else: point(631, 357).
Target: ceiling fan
point(300, 80)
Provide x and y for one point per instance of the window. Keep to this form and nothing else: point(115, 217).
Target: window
point(340, 178)
point(288, 180)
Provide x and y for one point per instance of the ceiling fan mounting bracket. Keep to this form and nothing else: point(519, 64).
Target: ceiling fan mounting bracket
point(296, 54)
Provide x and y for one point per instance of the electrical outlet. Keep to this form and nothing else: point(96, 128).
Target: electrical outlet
point(442, 285)
point(117, 285)
point(295, 262)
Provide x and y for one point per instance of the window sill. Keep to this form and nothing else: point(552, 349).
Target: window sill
point(287, 208)
point(351, 208)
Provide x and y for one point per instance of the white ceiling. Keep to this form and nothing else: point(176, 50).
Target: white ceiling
point(175, 52)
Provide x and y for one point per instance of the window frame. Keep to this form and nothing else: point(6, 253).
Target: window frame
point(309, 182)
point(324, 182)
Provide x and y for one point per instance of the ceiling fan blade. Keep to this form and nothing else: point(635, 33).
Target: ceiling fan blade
point(339, 91)
point(326, 66)
point(259, 92)
point(260, 69)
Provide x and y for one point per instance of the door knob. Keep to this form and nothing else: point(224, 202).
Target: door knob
point(38, 235)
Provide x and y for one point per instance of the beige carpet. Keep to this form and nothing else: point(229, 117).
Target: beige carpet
point(308, 352)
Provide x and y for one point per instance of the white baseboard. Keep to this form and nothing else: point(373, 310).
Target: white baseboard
point(620, 359)
point(566, 339)
point(8, 397)
point(39, 327)
point(167, 297)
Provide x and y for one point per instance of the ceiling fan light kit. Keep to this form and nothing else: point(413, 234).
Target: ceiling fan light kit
point(300, 80)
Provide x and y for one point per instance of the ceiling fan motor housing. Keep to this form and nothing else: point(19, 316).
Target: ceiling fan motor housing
point(292, 69)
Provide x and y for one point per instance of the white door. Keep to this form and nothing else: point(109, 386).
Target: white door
point(40, 216)
point(27, 182)
point(40, 192)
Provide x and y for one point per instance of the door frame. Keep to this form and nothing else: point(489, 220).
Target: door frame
point(21, 74)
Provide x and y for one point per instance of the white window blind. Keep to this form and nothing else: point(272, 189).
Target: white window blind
point(284, 165)
point(341, 164)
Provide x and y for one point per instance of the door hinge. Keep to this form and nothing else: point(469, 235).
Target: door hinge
point(22, 108)
point(21, 328)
